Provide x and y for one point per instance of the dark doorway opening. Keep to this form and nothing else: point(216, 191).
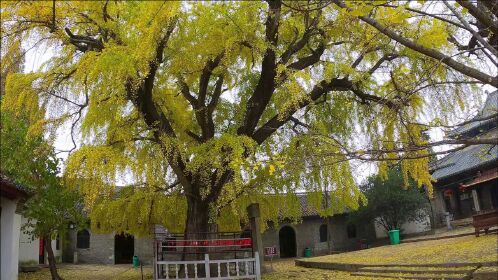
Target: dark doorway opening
point(123, 248)
point(287, 240)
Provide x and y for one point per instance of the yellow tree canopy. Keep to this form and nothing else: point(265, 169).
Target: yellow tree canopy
point(202, 108)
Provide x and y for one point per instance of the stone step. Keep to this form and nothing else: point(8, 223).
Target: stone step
point(486, 273)
point(419, 269)
point(411, 276)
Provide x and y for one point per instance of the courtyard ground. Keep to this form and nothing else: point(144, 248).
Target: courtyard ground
point(92, 272)
point(467, 249)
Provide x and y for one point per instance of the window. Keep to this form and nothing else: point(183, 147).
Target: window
point(323, 233)
point(351, 231)
point(57, 243)
point(83, 239)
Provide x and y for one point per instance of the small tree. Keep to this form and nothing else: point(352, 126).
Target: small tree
point(29, 159)
point(49, 213)
point(389, 204)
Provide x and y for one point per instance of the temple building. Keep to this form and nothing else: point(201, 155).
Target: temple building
point(467, 179)
point(316, 233)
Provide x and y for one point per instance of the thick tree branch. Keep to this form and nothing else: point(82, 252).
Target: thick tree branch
point(266, 130)
point(266, 85)
point(443, 58)
point(479, 38)
point(309, 60)
point(387, 57)
point(295, 47)
point(84, 43)
point(185, 90)
point(154, 117)
point(481, 14)
point(206, 75)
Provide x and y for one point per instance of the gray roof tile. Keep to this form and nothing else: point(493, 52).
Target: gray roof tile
point(466, 159)
point(490, 108)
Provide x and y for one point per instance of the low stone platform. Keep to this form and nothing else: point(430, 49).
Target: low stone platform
point(446, 236)
point(456, 271)
point(449, 258)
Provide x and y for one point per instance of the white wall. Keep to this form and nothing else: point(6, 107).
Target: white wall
point(10, 225)
point(29, 247)
point(408, 228)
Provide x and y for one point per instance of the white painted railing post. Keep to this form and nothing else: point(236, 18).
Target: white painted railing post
point(206, 266)
point(258, 268)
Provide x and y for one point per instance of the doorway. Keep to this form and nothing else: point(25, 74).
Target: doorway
point(287, 241)
point(123, 248)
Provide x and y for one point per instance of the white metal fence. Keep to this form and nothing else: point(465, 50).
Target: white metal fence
point(246, 268)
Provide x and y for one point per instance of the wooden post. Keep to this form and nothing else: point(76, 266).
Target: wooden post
point(257, 241)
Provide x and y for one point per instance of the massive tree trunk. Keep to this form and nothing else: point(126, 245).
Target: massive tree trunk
point(197, 225)
point(51, 258)
point(196, 228)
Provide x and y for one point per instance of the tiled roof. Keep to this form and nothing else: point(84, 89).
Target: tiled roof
point(9, 186)
point(490, 108)
point(307, 210)
point(466, 159)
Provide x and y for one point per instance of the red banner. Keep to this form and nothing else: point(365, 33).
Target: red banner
point(241, 242)
point(40, 247)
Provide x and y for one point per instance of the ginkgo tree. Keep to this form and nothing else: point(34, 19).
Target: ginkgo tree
point(183, 113)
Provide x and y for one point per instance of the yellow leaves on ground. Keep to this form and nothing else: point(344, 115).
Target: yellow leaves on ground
point(285, 269)
point(465, 249)
point(91, 272)
point(462, 249)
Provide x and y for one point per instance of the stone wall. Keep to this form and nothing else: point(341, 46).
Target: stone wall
point(101, 249)
point(438, 208)
point(144, 249)
point(308, 235)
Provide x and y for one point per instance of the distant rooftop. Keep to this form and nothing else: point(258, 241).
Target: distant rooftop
point(489, 109)
point(475, 156)
point(469, 158)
